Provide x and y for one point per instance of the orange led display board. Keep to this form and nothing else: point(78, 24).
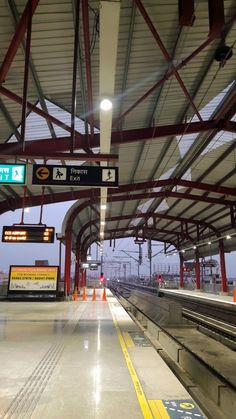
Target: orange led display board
point(28, 234)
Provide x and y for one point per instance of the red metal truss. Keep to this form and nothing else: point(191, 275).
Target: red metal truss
point(38, 111)
point(177, 68)
point(17, 38)
point(230, 126)
point(38, 147)
point(216, 15)
point(74, 75)
point(88, 64)
point(166, 54)
point(46, 155)
point(150, 214)
point(12, 204)
point(147, 232)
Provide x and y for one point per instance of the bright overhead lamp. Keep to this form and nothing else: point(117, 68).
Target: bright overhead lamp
point(183, 251)
point(103, 206)
point(209, 243)
point(194, 247)
point(102, 223)
point(105, 104)
point(228, 237)
point(101, 233)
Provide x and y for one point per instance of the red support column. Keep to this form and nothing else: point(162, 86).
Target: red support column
point(68, 262)
point(181, 270)
point(77, 273)
point(224, 287)
point(83, 283)
point(197, 270)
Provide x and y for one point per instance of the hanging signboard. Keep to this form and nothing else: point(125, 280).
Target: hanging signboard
point(12, 174)
point(75, 175)
point(28, 234)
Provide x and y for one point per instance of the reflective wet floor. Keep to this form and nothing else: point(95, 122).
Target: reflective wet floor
point(79, 360)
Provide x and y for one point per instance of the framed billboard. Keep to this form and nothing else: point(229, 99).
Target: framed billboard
point(33, 279)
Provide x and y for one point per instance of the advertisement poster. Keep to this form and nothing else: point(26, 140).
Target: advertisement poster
point(33, 278)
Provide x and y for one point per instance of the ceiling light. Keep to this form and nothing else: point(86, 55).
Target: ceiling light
point(228, 237)
point(194, 247)
point(183, 251)
point(209, 243)
point(103, 206)
point(102, 223)
point(106, 104)
point(101, 233)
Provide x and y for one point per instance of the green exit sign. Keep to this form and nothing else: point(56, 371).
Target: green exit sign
point(12, 174)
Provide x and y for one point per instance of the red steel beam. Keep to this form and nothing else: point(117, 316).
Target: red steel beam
point(166, 54)
point(167, 194)
point(15, 149)
point(38, 111)
point(93, 194)
point(17, 38)
point(125, 137)
point(26, 75)
point(47, 155)
point(147, 231)
point(171, 71)
point(74, 77)
point(216, 15)
point(150, 214)
point(88, 64)
point(230, 126)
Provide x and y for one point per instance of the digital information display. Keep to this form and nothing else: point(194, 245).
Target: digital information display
point(12, 174)
point(28, 234)
point(33, 279)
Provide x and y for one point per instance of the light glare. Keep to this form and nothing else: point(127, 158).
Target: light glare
point(106, 104)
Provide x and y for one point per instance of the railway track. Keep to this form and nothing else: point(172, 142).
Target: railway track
point(204, 367)
point(217, 321)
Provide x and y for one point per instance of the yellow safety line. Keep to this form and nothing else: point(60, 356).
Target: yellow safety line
point(158, 409)
point(139, 391)
point(128, 340)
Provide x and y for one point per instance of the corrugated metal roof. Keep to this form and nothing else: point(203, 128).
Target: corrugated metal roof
point(199, 157)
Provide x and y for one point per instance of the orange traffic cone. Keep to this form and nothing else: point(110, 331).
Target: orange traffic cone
point(234, 296)
point(94, 295)
point(104, 295)
point(84, 296)
point(75, 295)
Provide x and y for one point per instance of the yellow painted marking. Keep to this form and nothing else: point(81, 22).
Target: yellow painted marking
point(158, 409)
point(139, 391)
point(128, 340)
point(187, 405)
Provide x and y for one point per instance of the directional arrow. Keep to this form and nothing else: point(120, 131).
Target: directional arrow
point(42, 173)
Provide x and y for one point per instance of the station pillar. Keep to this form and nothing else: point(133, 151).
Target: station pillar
point(77, 273)
point(197, 270)
point(181, 270)
point(77, 267)
point(68, 238)
point(224, 287)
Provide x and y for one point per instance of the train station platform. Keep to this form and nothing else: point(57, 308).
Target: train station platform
point(202, 295)
point(83, 359)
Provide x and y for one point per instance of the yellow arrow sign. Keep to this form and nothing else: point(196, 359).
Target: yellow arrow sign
point(42, 173)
